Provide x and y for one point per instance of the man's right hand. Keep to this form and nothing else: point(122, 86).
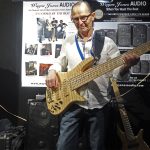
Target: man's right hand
point(52, 80)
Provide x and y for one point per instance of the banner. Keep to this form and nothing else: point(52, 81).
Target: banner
point(127, 22)
point(45, 26)
point(47, 23)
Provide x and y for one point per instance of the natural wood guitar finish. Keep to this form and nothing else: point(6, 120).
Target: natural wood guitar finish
point(60, 98)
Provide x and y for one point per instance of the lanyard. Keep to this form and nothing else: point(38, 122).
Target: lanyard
point(79, 50)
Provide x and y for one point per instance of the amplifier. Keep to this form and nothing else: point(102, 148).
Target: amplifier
point(43, 128)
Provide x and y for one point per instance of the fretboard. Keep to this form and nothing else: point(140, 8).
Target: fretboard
point(126, 123)
point(101, 69)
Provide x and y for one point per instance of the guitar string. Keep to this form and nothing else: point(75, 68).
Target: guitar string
point(85, 75)
point(105, 65)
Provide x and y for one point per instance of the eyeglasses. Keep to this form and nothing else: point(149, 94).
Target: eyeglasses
point(82, 18)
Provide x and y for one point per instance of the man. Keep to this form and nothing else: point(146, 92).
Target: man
point(94, 112)
point(61, 30)
point(54, 23)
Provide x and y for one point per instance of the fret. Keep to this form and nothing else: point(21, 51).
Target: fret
point(95, 72)
point(126, 123)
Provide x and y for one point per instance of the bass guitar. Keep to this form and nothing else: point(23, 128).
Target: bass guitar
point(60, 98)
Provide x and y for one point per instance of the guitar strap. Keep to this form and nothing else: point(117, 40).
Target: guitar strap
point(97, 44)
point(118, 97)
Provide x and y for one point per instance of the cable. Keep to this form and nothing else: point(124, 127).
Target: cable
point(12, 113)
point(136, 85)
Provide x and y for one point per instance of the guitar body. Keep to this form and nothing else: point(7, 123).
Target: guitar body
point(60, 98)
point(136, 144)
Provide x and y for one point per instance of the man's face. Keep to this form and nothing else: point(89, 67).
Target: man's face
point(82, 18)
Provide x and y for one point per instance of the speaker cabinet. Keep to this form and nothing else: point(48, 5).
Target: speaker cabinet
point(124, 35)
point(144, 66)
point(42, 128)
point(111, 33)
point(102, 32)
point(139, 34)
point(136, 68)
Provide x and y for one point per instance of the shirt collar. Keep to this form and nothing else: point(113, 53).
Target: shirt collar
point(81, 40)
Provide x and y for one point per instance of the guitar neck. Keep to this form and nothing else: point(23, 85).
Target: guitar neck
point(106, 67)
point(143, 48)
point(123, 114)
point(126, 123)
point(95, 72)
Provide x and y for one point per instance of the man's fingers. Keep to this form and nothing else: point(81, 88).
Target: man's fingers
point(52, 83)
